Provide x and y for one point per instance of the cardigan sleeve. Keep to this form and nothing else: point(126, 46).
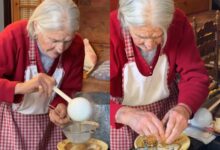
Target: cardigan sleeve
point(115, 69)
point(8, 53)
point(193, 84)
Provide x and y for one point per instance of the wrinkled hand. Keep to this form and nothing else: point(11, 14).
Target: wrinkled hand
point(176, 120)
point(59, 115)
point(144, 123)
point(42, 83)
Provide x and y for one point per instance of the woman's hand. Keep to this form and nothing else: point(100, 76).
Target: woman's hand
point(42, 83)
point(176, 120)
point(144, 123)
point(59, 115)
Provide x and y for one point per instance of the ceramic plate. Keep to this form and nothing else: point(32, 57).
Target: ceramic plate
point(183, 141)
point(91, 144)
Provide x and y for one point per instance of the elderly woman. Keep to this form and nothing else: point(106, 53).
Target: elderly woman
point(37, 55)
point(152, 43)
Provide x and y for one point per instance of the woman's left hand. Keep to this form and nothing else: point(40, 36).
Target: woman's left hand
point(59, 115)
point(176, 120)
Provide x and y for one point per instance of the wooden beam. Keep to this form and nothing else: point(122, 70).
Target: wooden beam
point(15, 10)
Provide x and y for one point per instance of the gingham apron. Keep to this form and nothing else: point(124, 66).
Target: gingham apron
point(25, 126)
point(123, 138)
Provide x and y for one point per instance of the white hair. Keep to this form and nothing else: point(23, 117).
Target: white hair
point(52, 15)
point(156, 13)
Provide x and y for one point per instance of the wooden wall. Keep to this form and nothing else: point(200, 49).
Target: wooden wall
point(193, 6)
point(188, 6)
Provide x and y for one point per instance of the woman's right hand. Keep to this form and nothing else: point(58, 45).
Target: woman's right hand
point(59, 116)
point(42, 83)
point(142, 122)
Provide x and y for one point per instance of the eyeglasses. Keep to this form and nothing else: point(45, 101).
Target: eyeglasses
point(140, 38)
point(52, 41)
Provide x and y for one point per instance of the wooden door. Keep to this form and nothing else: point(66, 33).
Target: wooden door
point(22, 9)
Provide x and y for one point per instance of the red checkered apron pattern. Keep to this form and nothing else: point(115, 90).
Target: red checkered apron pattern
point(123, 138)
point(27, 131)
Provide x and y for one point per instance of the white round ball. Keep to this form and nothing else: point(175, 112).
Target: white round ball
point(79, 109)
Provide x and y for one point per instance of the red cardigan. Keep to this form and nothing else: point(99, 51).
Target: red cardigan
point(183, 57)
point(14, 45)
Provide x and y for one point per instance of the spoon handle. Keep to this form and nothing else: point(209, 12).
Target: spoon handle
point(214, 105)
point(63, 95)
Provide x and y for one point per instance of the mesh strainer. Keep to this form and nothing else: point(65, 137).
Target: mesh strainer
point(80, 132)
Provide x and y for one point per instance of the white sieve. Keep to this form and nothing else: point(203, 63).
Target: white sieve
point(80, 132)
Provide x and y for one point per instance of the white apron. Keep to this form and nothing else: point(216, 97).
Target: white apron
point(150, 93)
point(36, 103)
point(143, 90)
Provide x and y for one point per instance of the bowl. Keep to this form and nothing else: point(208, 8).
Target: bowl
point(80, 132)
point(91, 144)
point(182, 141)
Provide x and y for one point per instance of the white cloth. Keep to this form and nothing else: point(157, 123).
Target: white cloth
point(142, 90)
point(202, 136)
